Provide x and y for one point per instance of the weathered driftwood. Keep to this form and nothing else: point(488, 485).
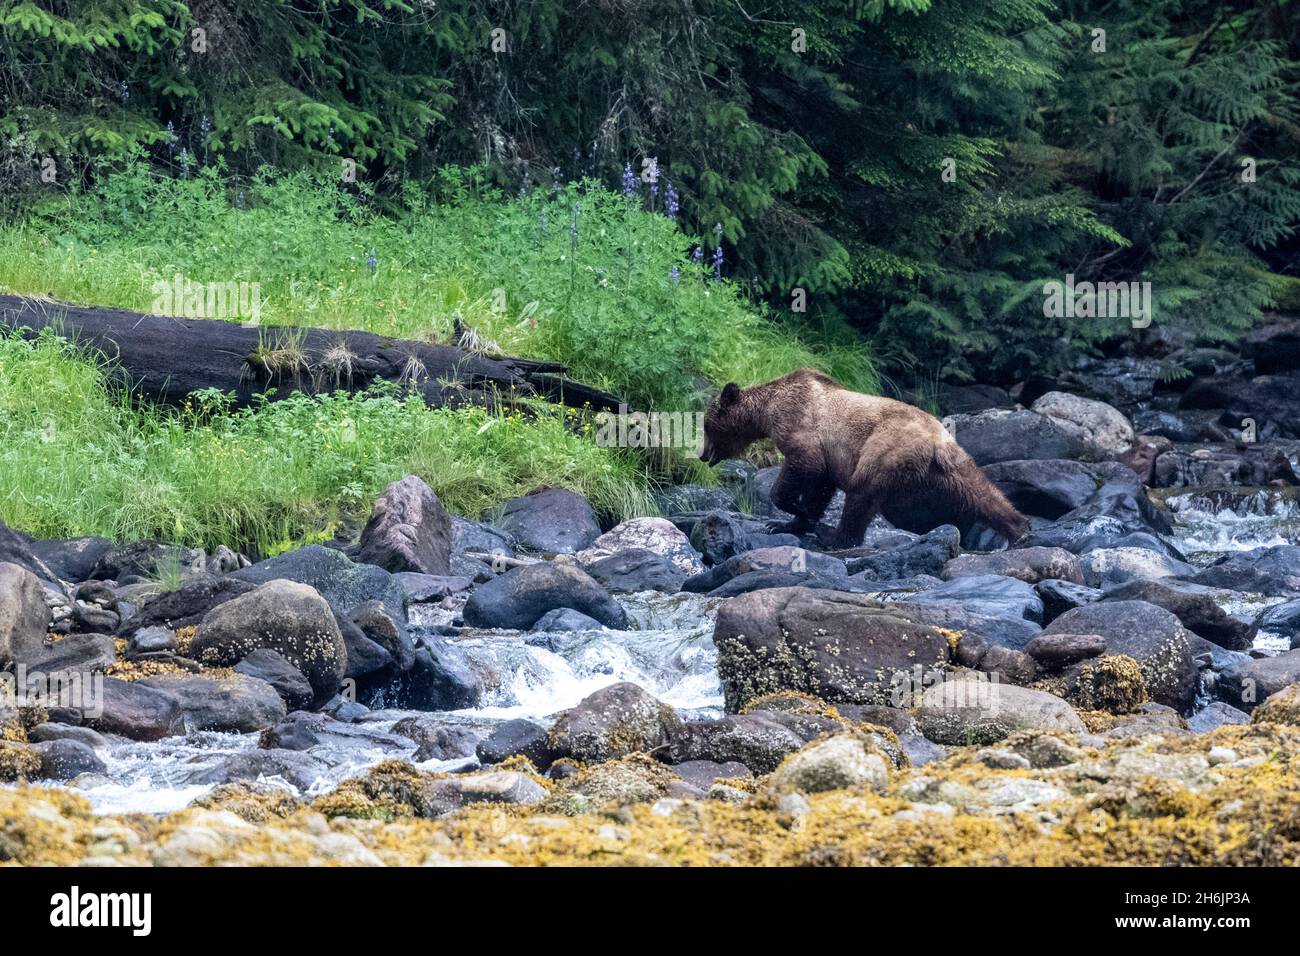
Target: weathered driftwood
point(164, 359)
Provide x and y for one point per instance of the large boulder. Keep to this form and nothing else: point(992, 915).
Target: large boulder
point(613, 722)
point(759, 741)
point(408, 530)
point(1061, 596)
point(65, 759)
point(522, 595)
point(657, 535)
point(1024, 564)
point(551, 521)
point(963, 712)
point(1104, 427)
point(834, 645)
point(1152, 636)
point(289, 618)
point(338, 579)
point(1200, 608)
point(229, 703)
point(24, 615)
point(1004, 435)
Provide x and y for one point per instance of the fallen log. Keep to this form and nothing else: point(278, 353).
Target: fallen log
point(164, 359)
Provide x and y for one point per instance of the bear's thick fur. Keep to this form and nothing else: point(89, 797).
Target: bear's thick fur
point(888, 457)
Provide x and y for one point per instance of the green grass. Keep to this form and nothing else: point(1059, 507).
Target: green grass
point(77, 459)
point(574, 274)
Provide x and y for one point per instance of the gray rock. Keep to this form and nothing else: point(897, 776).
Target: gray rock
point(1059, 650)
point(1030, 565)
point(518, 738)
point(24, 615)
point(840, 762)
point(342, 582)
point(1250, 683)
point(566, 619)
point(759, 741)
point(783, 560)
point(408, 530)
point(1150, 635)
point(72, 559)
point(1197, 606)
point(84, 654)
point(43, 733)
point(980, 712)
point(613, 722)
point(270, 666)
point(66, 758)
point(185, 606)
point(839, 646)
point(289, 618)
point(637, 570)
point(151, 640)
point(928, 554)
point(1109, 567)
point(1273, 571)
point(1003, 435)
point(1061, 596)
point(379, 625)
point(233, 703)
point(1104, 427)
point(1216, 714)
point(522, 595)
point(420, 588)
point(988, 594)
point(551, 521)
point(135, 711)
point(1283, 619)
point(297, 769)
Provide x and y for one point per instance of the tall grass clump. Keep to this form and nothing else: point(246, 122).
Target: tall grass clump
point(572, 273)
point(76, 458)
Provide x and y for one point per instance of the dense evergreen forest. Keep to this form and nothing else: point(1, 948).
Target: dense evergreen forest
point(909, 172)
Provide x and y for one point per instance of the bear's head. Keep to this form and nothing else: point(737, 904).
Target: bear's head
point(728, 426)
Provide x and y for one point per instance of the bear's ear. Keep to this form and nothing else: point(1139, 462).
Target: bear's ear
point(730, 394)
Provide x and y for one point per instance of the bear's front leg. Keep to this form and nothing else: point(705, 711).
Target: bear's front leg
point(790, 493)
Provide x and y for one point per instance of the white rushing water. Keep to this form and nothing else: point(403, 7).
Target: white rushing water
point(669, 652)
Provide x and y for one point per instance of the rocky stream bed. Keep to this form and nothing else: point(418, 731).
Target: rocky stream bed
point(1121, 686)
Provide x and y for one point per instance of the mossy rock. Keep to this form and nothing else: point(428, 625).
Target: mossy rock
point(1113, 684)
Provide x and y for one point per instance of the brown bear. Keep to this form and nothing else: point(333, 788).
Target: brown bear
point(888, 457)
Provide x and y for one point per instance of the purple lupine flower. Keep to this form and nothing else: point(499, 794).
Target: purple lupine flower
point(675, 274)
point(239, 199)
point(125, 91)
point(697, 256)
point(372, 260)
point(629, 180)
point(185, 162)
point(717, 263)
point(672, 203)
point(171, 133)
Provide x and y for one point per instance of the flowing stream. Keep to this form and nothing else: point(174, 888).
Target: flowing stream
point(669, 652)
